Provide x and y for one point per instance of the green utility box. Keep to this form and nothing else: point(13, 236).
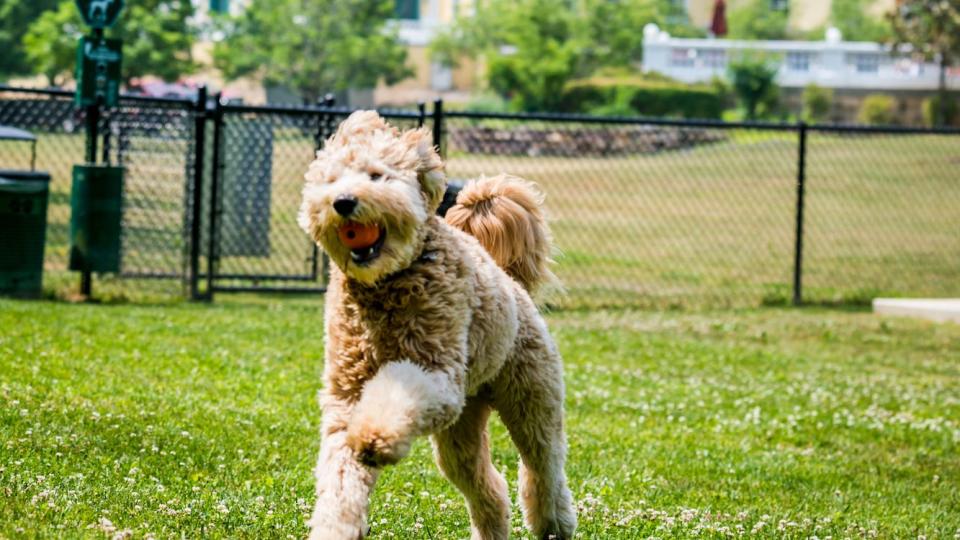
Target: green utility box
point(23, 227)
point(96, 211)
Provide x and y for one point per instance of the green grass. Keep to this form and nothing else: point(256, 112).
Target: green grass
point(201, 421)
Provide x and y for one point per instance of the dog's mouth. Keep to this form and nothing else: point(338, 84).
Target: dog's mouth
point(365, 255)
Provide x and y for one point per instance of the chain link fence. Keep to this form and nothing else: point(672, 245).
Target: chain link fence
point(153, 140)
point(882, 215)
point(264, 153)
point(649, 213)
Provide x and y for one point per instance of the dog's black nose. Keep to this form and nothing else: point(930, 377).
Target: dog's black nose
point(344, 204)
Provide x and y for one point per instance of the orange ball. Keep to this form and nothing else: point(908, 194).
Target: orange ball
point(358, 236)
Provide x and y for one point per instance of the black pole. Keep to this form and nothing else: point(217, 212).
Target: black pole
point(200, 137)
point(93, 133)
point(438, 125)
point(93, 121)
point(422, 109)
point(798, 240)
point(215, 175)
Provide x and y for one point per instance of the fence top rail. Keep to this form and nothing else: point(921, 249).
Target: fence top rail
point(186, 102)
point(308, 110)
point(39, 91)
point(715, 124)
point(627, 120)
point(59, 92)
point(538, 117)
point(883, 130)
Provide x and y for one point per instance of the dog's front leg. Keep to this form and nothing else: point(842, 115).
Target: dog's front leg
point(343, 483)
point(401, 402)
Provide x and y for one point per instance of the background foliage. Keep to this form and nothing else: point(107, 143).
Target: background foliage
point(313, 47)
point(632, 94)
point(15, 16)
point(757, 20)
point(157, 40)
point(753, 79)
point(932, 29)
point(533, 48)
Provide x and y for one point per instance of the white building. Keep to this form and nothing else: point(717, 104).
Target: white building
point(832, 63)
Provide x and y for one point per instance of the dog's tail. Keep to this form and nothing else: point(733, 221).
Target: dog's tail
point(504, 213)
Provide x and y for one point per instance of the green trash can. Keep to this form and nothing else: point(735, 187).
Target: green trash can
point(23, 227)
point(96, 217)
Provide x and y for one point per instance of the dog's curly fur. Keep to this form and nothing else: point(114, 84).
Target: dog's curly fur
point(433, 332)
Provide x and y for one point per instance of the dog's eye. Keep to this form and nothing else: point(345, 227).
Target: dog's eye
point(376, 176)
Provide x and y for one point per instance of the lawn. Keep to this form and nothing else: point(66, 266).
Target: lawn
point(187, 420)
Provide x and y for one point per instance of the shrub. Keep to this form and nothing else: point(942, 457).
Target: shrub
point(724, 91)
point(931, 111)
point(817, 102)
point(646, 96)
point(754, 81)
point(488, 103)
point(877, 109)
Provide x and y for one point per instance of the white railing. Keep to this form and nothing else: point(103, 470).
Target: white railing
point(831, 63)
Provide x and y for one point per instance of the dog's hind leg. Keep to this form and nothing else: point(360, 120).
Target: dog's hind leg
point(462, 452)
point(529, 398)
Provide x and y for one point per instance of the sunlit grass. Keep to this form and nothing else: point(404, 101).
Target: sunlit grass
point(201, 421)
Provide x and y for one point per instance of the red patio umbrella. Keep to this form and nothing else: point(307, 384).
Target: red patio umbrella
point(719, 24)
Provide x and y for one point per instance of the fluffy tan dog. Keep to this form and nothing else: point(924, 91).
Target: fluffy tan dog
point(429, 328)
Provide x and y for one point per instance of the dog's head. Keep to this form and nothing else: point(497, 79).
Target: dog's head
point(372, 178)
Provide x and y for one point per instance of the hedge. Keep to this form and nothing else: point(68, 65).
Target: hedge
point(643, 96)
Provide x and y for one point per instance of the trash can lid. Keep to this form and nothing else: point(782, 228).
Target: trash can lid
point(8, 133)
point(25, 184)
point(25, 176)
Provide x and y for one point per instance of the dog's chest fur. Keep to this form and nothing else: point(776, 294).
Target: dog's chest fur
point(452, 309)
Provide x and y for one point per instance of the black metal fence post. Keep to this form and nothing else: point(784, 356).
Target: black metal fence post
point(199, 148)
point(438, 125)
point(422, 111)
point(216, 173)
point(798, 239)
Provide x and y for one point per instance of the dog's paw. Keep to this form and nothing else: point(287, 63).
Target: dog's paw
point(339, 533)
point(377, 445)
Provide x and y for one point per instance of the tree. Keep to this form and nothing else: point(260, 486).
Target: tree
point(854, 21)
point(15, 17)
point(932, 29)
point(610, 29)
point(50, 44)
point(754, 81)
point(157, 40)
point(313, 47)
point(532, 48)
point(758, 20)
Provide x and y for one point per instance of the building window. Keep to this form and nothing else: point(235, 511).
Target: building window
point(682, 57)
point(713, 58)
point(780, 5)
point(865, 63)
point(407, 9)
point(798, 61)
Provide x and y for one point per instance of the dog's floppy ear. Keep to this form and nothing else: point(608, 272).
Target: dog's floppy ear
point(433, 181)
